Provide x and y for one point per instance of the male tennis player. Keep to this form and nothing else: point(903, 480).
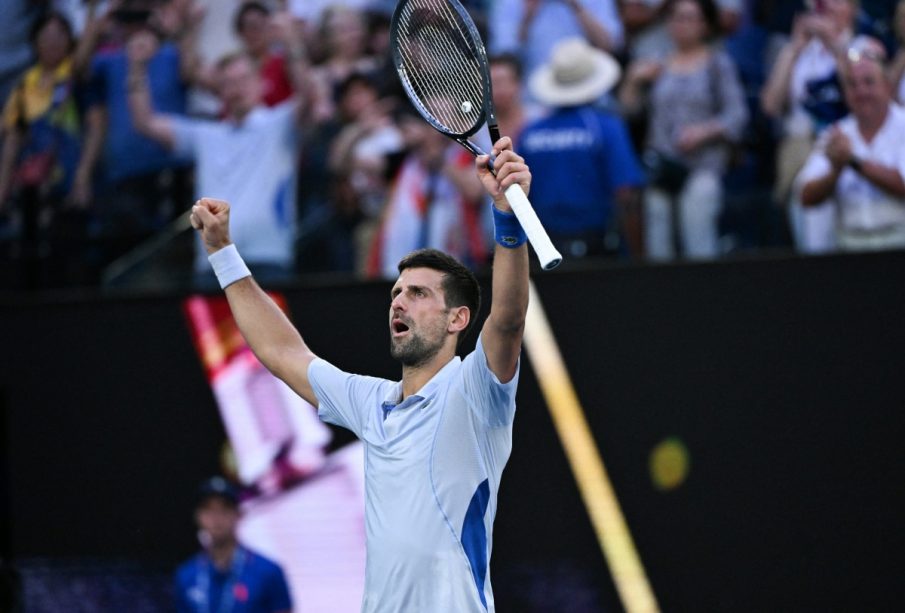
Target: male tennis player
point(435, 442)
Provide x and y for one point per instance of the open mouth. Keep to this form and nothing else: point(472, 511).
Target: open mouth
point(399, 327)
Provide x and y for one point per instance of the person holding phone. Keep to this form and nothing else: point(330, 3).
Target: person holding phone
point(803, 93)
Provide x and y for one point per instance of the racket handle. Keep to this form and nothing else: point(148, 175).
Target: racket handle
point(547, 254)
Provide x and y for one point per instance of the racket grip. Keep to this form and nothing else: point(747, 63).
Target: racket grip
point(547, 254)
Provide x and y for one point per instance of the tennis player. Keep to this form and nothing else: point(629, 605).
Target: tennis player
point(437, 440)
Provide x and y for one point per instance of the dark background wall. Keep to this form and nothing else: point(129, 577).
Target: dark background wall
point(783, 378)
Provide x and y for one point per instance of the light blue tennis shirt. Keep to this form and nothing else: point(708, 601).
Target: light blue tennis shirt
point(432, 471)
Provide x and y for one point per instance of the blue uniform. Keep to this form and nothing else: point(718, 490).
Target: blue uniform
point(433, 464)
point(579, 157)
point(252, 584)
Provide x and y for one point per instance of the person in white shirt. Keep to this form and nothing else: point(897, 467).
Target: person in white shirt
point(437, 440)
point(249, 157)
point(859, 164)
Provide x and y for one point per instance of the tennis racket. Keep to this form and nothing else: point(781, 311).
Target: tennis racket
point(442, 64)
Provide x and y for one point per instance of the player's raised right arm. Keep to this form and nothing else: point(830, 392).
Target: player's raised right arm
point(265, 327)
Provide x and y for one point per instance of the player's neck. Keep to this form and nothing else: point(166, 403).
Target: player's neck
point(416, 377)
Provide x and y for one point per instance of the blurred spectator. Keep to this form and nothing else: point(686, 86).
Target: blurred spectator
point(897, 69)
point(248, 158)
point(435, 201)
point(696, 107)
point(531, 28)
point(226, 575)
point(343, 38)
point(344, 176)
point(51, 144)
point(360, 163)
point(803, 91)
point(646, 24)
point(858, 164)
point(512, 113)
point(253, 25)
point(15, 52)
point(144, 183)
point(586, 174)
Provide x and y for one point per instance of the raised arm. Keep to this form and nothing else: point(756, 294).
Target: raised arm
point(141, 48)
point(502, 332)
point(266, 329)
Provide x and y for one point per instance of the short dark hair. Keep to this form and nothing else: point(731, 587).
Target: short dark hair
point(46, 19)
point(460, 287)
point(508, 59)
point(709, 11)
point(245, 9)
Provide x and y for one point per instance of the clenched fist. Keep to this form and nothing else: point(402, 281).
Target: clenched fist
point(211, 218)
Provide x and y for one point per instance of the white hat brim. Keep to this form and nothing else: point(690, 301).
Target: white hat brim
point(547, 90)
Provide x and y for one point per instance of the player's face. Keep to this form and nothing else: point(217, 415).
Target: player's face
point(218, 519)
point(419, 317)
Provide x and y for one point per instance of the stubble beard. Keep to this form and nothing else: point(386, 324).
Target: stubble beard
point(415, 350)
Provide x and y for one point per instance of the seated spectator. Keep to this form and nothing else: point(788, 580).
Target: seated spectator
point(52, 144)
point(249, 158)
point(435, 200)
point(586, 174)
point(803, 92)
point(858, 165)
point(226, 575)
point(531, 28)
point(696, 107)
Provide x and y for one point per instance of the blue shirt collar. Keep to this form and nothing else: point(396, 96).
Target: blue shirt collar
point(394, 396)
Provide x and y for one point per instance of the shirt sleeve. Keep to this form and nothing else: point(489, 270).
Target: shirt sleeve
point(620, 159)
point(12, 115)
point(180, 586)
point(491, 400)
point(506, 15)
point(817, 165)
point(278, 592)
point(343, 399)
point(606, 12)
point(187, 135)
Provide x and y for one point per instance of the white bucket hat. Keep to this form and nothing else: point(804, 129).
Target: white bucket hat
point(575, 74)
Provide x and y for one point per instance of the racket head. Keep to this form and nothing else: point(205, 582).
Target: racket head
point(441, 61)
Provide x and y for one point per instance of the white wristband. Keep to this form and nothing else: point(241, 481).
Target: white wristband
point(228, 266)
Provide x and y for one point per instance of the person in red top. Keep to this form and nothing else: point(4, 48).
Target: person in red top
point(254, 25)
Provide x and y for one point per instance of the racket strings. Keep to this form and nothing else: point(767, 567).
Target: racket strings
point(439, 61)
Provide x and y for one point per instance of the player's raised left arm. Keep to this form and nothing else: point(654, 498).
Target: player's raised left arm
point(502, 332)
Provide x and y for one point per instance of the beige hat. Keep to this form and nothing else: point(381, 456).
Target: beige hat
point(576, 74)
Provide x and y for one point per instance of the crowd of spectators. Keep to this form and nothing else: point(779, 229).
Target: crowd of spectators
point(655, 129)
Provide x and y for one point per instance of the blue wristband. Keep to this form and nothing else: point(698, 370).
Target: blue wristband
point(507, 230)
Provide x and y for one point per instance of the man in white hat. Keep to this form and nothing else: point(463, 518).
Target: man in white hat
point(587, 177)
